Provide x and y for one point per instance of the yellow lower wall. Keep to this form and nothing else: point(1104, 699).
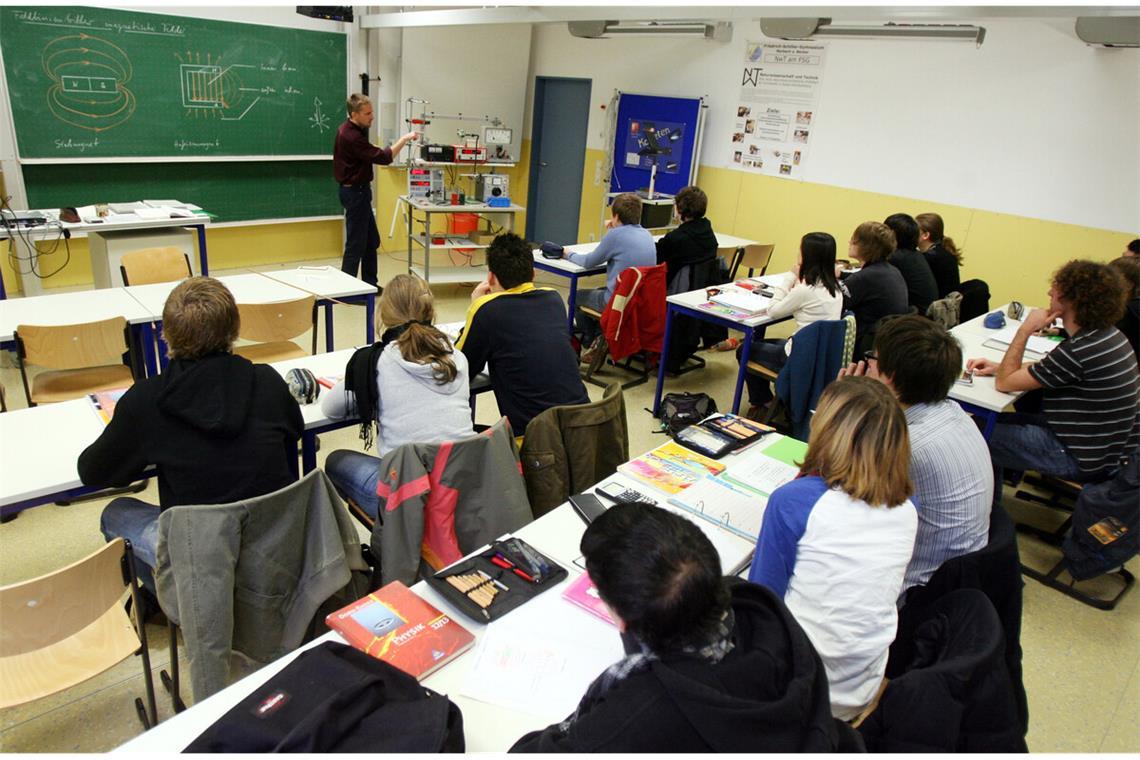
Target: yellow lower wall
point(1014, 254)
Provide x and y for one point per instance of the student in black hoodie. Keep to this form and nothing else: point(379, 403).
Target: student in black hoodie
point(217, 427)
point(713, 664)
point(694, 240)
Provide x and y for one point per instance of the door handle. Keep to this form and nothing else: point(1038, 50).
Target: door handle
point(542, 163)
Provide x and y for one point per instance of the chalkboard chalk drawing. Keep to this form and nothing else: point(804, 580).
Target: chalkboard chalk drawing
point(319, 119)
point(89, 77)
point(213, 89)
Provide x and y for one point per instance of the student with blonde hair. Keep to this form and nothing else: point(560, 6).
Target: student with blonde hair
point(410, 387)
point(835, 542)
point(940, 253)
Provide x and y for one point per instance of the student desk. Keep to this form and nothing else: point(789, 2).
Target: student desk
point(689, 304)
point(592, 643)
point(330, 284)
point(982, 398)
point(39, 453)
point(81, 306)
point(566, 268)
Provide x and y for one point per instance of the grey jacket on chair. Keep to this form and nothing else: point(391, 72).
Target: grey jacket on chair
point(249, 576)
point(567, 449)
point(439, 501)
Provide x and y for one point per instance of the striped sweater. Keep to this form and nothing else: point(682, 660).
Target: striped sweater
point(1091, 394)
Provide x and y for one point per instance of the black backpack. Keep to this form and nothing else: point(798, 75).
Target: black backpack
point(1111, 509)
point(333, 698)
point(679, 410)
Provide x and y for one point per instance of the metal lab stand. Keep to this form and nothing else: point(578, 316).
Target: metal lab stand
point(420, 212)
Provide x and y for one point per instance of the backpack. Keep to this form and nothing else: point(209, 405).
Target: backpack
point(1106, 524)
point(679, 410)
point(945, 311)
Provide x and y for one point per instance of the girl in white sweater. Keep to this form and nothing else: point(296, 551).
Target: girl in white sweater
point(808, 294)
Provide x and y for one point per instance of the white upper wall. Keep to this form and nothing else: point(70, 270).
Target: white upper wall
point(1033, 123)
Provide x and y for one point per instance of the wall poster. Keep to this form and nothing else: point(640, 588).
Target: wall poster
point(653, 141)
point(776, 113)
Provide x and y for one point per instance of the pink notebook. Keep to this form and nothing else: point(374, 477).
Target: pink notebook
point(583, 593)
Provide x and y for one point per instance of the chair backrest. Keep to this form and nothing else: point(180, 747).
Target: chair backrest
point(442, 500)
point(90, 344)
point(62, 628)
point(953, 696)
point(634, 319)
point(755, 256)
point(567, 449)
point(149, 265)
point(250, 575)
point(817, 354)
point(975, 299)
point(284, 320)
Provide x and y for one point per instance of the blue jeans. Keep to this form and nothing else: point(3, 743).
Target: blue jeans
point(361, 238)
point(136, 521)
point(1025, 442)
point(355, 476)
point(590, 328)
point(771, 354)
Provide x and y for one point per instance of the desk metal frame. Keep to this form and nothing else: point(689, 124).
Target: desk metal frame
point(572, 297)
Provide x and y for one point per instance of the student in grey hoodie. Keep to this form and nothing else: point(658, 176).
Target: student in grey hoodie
point(412, 385)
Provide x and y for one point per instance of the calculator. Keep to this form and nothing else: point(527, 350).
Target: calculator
point(619, 495)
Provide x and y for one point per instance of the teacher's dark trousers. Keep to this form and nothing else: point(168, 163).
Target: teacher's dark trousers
point(361, 238)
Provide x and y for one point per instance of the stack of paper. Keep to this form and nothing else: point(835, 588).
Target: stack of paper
point(741, 300)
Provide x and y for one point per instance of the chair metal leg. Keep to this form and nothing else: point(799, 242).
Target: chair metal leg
point(171, 682)
point(1051, 580)
point(148, 715)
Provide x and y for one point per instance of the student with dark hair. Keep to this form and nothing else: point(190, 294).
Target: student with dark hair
point(1090, 386)
point(1128, 267)
point(389, 384)
point(626, 244)
point(218, 427)
point(693, 240)
point(878, 289)
point(834, 543)
point(1133, 248)
point(921, 287)
point(519, 330)
point(940, 253)
point(712, 664)
point(809, 293)
point(949, 461)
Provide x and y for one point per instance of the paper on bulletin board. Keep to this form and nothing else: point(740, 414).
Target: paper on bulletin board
point(650, 141)
point(776, 113)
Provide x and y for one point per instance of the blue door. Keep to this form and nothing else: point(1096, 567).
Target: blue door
point(558, 156)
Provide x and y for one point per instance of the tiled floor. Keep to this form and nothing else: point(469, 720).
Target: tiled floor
point(1082, 666)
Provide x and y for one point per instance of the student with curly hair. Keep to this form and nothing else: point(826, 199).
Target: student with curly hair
point(835, 542)
point(1090, 386)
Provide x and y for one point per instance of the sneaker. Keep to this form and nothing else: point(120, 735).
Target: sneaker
point(728, 344)
point(758, 412)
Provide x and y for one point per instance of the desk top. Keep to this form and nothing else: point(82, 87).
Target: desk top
point(70, 308)
point(466, 208)
point(723, 241)
point(972, 335)
point(695, 299)
point(325, 281)
point(570, 641)
point(247, 288)
point(40, 448)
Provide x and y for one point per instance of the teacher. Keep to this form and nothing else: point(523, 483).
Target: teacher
point(353, 157)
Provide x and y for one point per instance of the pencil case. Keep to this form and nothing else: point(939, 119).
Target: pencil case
point(495, 581)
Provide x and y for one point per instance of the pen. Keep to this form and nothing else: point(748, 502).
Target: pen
point(503, 562)
point(501, 586)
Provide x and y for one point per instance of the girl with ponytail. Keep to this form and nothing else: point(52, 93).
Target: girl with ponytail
point(940, 252)
point(410, 387)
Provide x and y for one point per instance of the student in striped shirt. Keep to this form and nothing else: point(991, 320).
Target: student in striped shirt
point(949, 462)
point(1090, 385)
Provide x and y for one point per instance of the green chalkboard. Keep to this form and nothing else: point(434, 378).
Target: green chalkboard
point(232, 191)
point(93, 82)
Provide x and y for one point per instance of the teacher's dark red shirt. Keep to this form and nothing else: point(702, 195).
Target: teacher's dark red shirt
point(353, 155)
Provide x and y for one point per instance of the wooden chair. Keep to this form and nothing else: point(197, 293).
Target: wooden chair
point(754, 256)
point(274, 325)
point(63, 628)
point(148, 265)
point(81, 358)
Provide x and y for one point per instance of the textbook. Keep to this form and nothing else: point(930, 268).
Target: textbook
point(742, 300)
point(103, 402)
point(671, 467)
point(397, 626)
point(584, 594)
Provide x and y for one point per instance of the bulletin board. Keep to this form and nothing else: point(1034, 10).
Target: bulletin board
point(670, 125)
